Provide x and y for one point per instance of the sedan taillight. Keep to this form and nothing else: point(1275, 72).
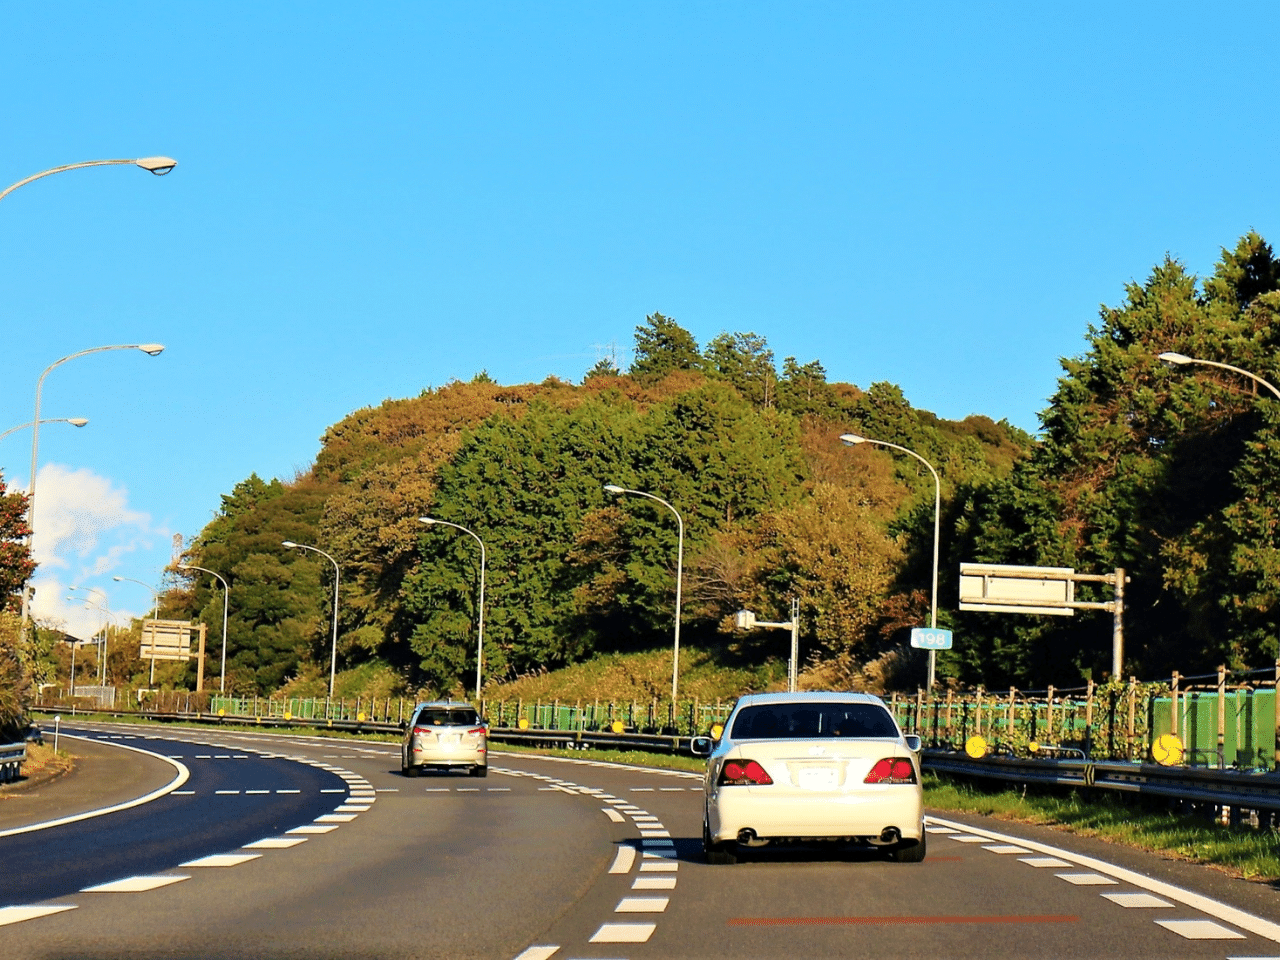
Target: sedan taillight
point(739, 773)
point(891, 770)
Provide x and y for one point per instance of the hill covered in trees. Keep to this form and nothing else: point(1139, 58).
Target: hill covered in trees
point(1170, 473)
point(773, 507)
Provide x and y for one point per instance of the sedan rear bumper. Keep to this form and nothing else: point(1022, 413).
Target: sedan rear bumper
point(802, 815)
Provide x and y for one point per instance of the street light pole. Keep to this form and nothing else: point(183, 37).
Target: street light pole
point(156, 165)
point(226, 606)
point(851, 439)
point(74, 421)
point(1178, 360)
point(430, 521)
point(675, 650)
point(151, 349)
point(155, 595)
point(337, 574)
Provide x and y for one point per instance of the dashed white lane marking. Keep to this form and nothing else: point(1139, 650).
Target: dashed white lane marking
point(613, 815)
point(388, 789)
point(274, 843)
point(222, 756)
point(203, 756)
point(435, 789)
point(468, 789)
point(184, 793)
point(227, 793)
point(970, 839)
point(665, 866)
point(655, 833)
point(642, 789)
point(537, 953)
point(351, 808)
point(174, 756)
point(497, 789)
point(642, 905)
point(314, 828)
point(1214, 908)
point(334, 790)
point(671, 789)
point(1137, 900)
point(18, 914)
point(1200, 930)
point(1044, 861)
point(222, 860)
point(654, 883)
point(1086, 879)
point(135, 884)
point(1006, 848)
point(646, 818)
point(288, 791)
point(254, 793)
point(624, 933)
point(335, 818)
point(623, 859)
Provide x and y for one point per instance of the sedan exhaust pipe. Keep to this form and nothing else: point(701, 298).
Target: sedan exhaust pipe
point(890, 835)
point(746, 836)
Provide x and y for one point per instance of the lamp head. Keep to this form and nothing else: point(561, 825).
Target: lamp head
point(157, 165)
point(1174, 359)
point(77, 421)
point(117, 579)
point(613, 488)
point(428, 520)
point(850, 439)
point(288, 543)
point(151, 349)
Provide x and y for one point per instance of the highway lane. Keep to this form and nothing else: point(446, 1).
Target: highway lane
point(570, 859)
point(228, 799)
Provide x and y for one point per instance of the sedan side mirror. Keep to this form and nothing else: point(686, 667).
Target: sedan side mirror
point(701, 746)
point(913, 742)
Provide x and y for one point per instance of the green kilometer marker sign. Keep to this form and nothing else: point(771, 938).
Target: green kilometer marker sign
point(925, 639)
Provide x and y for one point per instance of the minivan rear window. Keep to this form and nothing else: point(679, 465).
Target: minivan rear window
point(446, 718)
point(795, 721)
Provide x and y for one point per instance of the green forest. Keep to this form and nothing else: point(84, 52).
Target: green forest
point(1169, 472)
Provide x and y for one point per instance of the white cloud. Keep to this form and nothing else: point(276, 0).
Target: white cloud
point(84, 528)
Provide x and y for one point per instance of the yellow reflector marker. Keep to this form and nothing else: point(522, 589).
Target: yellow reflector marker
point(524, 723)
point(360, 716)
point(617, 726)
point(222, 713)
point(976, 747)
point(1167, 750)
point(717, 731)
point(288, 715)
point(1033, 747)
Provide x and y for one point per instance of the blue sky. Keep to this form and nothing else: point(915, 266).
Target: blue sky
point(374, 199)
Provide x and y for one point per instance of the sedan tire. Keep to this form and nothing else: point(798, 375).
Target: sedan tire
point(719, 854)
point(909, 854)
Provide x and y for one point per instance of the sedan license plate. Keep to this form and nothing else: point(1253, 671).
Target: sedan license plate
point(816, 778)
point(450, 739)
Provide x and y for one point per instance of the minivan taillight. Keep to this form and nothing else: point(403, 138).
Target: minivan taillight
point(739, 773)
point(417, 731)
point(892, 770)
point(477, 730)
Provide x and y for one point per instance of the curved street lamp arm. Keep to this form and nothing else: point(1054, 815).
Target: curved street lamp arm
point(1178, 359)
point(74, 421)
point(156, 165)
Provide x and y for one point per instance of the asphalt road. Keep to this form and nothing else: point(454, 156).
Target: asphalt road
point(564, 859)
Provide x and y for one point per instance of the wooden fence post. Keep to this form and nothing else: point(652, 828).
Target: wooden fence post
point(1222, 717)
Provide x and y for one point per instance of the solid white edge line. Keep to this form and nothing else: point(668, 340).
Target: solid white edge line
point(1229, 914)
point(181, 778)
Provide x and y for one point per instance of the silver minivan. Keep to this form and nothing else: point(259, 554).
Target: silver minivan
point(445, 735)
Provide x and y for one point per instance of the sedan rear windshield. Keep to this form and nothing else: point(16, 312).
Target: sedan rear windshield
point(794, 721)
point(446, 718)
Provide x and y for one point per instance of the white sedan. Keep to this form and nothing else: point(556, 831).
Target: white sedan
point(811, 767)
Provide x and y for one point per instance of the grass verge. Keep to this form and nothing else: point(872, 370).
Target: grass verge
point(1238, 850)
point(43, 764)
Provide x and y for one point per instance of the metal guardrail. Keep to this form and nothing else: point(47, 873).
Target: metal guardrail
point(11, 757)
point(1222, 788)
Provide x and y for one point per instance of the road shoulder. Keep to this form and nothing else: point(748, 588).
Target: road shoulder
point(104, 775)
